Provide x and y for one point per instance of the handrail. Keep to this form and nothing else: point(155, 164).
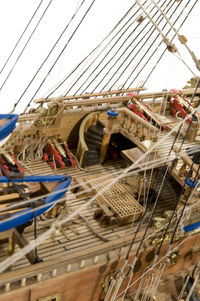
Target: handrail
point(88, 95)
point(90, 119)
point(108, 100)
point(138, 118)
point(187, 161)
point(147, 95)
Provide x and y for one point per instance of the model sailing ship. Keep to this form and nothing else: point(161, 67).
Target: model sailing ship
point(100, 191)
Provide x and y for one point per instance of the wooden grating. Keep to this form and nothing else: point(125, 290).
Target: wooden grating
point(115, 197)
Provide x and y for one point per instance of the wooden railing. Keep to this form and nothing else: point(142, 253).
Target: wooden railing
point(90, 119)
point(86, 104)
point(180, 170)
point(105, 254)
point(138, 130)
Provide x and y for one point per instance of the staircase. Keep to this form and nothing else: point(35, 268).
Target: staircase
point(93, 138)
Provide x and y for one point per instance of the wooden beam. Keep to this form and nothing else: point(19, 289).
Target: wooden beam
point(147, 95)
point(21, 240)
point(88, 95)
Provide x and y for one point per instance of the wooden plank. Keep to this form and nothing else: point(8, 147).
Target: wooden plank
point(6, 234)
point(133, 154)
point(21, 240)
point(88, 95)
point(9, 197)
point(142, 95)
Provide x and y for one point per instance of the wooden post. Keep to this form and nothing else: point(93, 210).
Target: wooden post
point(104, 147)
point(193, 131)
point(112, 114)
point(22, 242)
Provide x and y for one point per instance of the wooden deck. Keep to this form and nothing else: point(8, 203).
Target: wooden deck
point(52, 248)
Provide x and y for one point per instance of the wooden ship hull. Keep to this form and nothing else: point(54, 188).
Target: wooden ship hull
point(99, 191)
point(81, 256)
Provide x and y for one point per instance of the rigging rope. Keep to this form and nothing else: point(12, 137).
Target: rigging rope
point(94, 51)
point(11, 53)
point(182, 39)
point(124, 70)
point(55, 44)
point(159, 59)
point(118, 59)
point(155, 50)
point(26, 44)
point(138, 52)
point(108, 52)
point(62, 51)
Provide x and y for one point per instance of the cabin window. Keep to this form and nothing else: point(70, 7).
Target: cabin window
point(55, 297)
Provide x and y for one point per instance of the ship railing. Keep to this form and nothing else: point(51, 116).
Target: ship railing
point(184, 164)
point(90, 119)
point(138, 130)
point(100, 258)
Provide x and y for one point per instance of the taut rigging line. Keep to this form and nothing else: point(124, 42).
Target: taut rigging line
point(12, 51)
point(139, 50)
point(55, 62)
point(144, 56)
point(159, 46)
point(181, 38)
point(131, 267)
point(170, 41)
point(171, 47)
point(82, 73)
point(26, 44)
point(108, 72)
point(55, 44)
point(108, 52)
point(101, 50)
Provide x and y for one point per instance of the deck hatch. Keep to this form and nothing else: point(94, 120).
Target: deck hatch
point(120, 202)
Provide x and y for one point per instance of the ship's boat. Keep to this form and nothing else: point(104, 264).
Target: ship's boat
point(99, 189)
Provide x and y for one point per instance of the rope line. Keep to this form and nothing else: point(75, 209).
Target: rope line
point(11, 53)
point(26, 44)
point(62, 51)
point(54, 46)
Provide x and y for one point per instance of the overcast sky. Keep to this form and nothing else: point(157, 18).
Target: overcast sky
point(14, 16)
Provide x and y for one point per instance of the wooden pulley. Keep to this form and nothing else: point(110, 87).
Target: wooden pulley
point(172, 48)
point(140, 19)
point(182, 39)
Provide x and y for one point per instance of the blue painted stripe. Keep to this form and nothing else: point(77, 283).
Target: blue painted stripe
point(26, 215)
point(50, 178)
point(191, 227)
point(9, 126)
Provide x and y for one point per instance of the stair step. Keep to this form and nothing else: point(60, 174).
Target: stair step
point(91, 135)
point(93, 152)
point(96, 130)
point(93, 139)
point(91, 142)
point(92, 158)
